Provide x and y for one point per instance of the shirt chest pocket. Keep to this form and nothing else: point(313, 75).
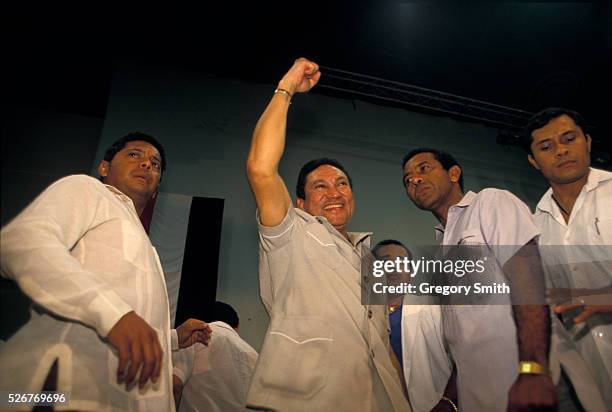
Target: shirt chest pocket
point(603, 229)
point(471, 237)
point(320, 247)
point(133, 244)
point(302, 350)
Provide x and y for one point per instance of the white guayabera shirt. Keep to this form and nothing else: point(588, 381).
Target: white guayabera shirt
point(215, 377)
point(81, 254)
point(582, 260)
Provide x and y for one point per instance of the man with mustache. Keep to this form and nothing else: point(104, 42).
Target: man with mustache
point(500, 351)
point(100, 321)
point(323, 349)
point(576, 215)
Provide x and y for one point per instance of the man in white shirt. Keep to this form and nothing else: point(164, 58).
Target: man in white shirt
point(489, 344)
point(324, 349)
point(216, 377)
point(576, 215)
point(100, 319)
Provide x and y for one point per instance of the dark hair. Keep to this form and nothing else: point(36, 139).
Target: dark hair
point(312, 165)
point(446, 160)
point(225, 313)
point(388, 242)
point(543, 117)
point(130, 137)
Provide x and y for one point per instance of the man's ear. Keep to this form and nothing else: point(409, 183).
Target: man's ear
point(533, 161)
point(588, 139)
point(300, 203)
point(454, 173)
point(103, 168)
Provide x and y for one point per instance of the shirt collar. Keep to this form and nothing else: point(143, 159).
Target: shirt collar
point(223, 325)
point(596, 176)
point(355, 238)
point(123, 197)
point(465, 201)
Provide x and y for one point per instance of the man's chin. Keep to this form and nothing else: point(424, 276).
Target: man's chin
point(570, 176)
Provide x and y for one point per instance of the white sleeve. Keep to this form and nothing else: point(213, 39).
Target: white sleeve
point(182, 363)
point(35, 252)
point(275, 237)
point(506, 223)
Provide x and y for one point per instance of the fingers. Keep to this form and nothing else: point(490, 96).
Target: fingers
point(135, 363)
point(192, 331)
point(159, 358)
point(566, 307)
point(303, 76)
point(585, 314)
point(124, 356)
point(149, 363)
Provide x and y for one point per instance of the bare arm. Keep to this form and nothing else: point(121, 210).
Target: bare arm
point(177, 390)
point(268, 144)
point(524, 270)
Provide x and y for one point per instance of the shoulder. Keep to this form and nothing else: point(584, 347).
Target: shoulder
point(77, 183)
point(500, 198)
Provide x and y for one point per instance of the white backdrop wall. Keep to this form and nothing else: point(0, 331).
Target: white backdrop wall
point(205, 124)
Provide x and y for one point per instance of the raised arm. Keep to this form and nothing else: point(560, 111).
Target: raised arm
point(271, 194)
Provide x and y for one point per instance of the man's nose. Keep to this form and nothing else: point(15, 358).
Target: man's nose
point(416, 180)
point(562, 150)
point(146, 164)
point(333, 191)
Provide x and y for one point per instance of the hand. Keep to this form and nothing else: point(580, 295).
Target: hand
point(138, 345)
point(587, 310)
point(301, 77)
point(532, 393)
point(591, 301)
point(192, 331)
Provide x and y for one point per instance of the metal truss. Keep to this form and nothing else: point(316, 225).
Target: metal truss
point(355, 84)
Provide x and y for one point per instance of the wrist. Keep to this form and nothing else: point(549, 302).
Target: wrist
point(533, 368)
point(288, 86)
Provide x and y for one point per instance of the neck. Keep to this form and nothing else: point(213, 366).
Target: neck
point(441, 212)
point(342, 230)
point(396, 301)
point(567, 193)
point(139, 204)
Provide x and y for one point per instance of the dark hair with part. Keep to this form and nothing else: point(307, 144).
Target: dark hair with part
point(446, 160)
point(312, 165)
point(388, 242)
point(543, 117)
point(131, 137)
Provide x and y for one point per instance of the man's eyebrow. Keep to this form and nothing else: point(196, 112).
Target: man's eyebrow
point(422, 162)
point(544, 140)
point(565, 133)
point(568, 132)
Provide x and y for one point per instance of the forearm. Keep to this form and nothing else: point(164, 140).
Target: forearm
point(532, 319)
point(533, 333)
point(268, 142)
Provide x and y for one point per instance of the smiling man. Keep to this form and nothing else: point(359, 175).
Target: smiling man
point(100, 324)
point(575, 215)
point(323, 349)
